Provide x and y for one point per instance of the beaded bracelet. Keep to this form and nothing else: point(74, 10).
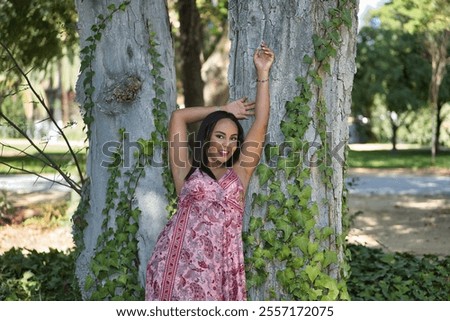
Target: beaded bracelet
point(262, 80)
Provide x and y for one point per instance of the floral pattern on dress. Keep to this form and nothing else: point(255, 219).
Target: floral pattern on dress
point(199, 254)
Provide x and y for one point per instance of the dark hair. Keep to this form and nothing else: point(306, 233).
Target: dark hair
point(202, 140)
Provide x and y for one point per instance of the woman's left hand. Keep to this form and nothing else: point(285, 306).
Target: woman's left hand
point(240, 108)
point(263, 58)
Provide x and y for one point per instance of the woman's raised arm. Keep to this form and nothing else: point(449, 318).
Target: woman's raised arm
point(254, 141)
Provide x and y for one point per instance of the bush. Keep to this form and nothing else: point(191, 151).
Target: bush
point(38, 276)
point(380, 276)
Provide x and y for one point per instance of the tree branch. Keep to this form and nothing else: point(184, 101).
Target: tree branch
point(42, 102)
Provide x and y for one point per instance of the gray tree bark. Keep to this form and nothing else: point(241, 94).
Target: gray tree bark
point(288, 27)
point(122, 64)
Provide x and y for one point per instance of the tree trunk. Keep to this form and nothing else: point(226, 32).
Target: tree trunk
point(214, 73)
point(283, 263)
point(191, 39)
point(437, 48)
point(127, 79)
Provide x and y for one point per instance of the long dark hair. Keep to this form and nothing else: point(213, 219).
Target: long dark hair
point(202, 141)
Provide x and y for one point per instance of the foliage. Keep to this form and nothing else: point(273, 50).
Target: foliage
point(38, 276)
point(392, 72)
point(401, 57)
point(379, 276)
point(37, 31)
point(13, 109)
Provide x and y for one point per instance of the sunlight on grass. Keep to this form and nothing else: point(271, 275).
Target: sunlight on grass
point(409, 159)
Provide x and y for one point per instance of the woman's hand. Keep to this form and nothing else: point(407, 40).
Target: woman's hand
point(263, 58)
point(240, 108)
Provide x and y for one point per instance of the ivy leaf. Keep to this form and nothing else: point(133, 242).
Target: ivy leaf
point(307, 60)
point(312, 248)
point(264, 172)
point(255, 224)
point(301, 241)
point(330, 257)
point(270, 236)
point(312, 272)
point(284, 253)
point(286, 227)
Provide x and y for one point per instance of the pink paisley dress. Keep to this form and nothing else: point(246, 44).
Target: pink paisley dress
point(199, 254)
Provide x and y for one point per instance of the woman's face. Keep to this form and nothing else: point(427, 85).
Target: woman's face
point(223, 142)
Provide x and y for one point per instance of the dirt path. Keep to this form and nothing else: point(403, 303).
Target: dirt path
point(415, 224)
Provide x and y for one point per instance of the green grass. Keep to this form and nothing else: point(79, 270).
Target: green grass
point(36, 164)
point(408, 158)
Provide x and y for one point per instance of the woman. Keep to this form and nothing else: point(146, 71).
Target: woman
point(199, 254)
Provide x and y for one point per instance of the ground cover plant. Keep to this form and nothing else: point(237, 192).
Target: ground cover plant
point(375, 276)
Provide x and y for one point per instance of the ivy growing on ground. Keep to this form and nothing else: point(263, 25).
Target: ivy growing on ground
point(289, 235)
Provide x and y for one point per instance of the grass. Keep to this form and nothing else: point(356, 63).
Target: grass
point(406, 158)
point(14, 164)
point(12, 160)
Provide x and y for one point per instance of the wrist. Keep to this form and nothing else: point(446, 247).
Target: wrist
point(262, 76)
point(219, 108)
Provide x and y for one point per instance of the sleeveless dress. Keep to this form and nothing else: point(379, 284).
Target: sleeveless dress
point(199, 255)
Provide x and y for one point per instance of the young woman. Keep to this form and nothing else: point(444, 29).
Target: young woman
point(199, 254)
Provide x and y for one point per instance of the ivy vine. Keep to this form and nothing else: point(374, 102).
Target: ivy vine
point(289, 235)
point(87, 58)
point(87, 54)
point(158, 137)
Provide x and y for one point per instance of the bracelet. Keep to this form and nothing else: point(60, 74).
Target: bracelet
point(262, 80)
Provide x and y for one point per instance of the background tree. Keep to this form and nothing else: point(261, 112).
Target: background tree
point(198, 29)
point(35, 36)
point(391, 67)
point(38, 34)
point(430, 19)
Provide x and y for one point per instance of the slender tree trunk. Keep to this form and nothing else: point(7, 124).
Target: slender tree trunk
point(289, 28)
point(191, 39)
point(128, 74)
point(214, 71)
point(438, 53)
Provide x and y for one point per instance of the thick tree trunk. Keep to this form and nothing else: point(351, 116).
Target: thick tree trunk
point(288, 27)
point(123, 99)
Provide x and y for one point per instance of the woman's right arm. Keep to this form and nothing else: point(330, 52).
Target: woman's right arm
point(179, 160)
